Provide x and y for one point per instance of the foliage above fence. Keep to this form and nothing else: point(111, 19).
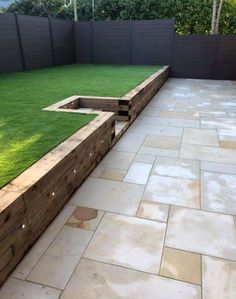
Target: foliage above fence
point(192, 16)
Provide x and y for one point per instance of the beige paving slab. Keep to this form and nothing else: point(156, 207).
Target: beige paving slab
point(129, 143)
point(226, 132)
point(224, 103)
point(59, 261)
point(106, 195)
point(218, 192)
point(227, 141)
point(162, 142)
point(214, 114)
point(97, 171)
point(208, 153)
point(219, 123)
point(154, 120)
point(181, 107)
point(219, 278)
point(138, 173)
point(176, 191)
point(199, 103)
point(144, 158)
point(157, 130)
point(231, 114)
point(85, 218)
point(200, 137)
point(33, 256)
point(153, 211)
point(174, 167)
point(150, 111)
point(93, 280)
point(218, 167)
point(181, 265)
point(117, 160)
point(184, 123)
point(175, 114)
point(19, 289)
point(158, 152)
point(112, 174)
point(202, 232)
point(128, 241)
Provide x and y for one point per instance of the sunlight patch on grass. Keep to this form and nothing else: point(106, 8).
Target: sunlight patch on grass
point(24, 95)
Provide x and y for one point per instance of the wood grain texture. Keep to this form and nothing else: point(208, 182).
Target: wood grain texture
point(27, 209)
point(31, 201)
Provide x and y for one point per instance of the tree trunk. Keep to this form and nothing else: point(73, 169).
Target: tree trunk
point(218, 17)
point(216, 11)
point(213, 16)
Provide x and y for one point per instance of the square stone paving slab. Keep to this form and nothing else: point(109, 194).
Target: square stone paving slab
point(218, 192)
point(107, 195)
point(117, 160)
point(152, 120)
point(128, 241)
point(93, 280)
point(153, 211)
point(201, 137)
point(138, 173)
point(112, 174)
point(158, 152)
point(157, 130)
point(19, 289)
point(174, 167)
point(183, 115)
point(218, 167)
point(145, 158)
point(33, 256)
point(202, 232)
point(181, 265)
point(59, 261)
point(176, 191)
point(228, 141)
point(162, 142)
point(208, 153)
point(184, 123)
point(219, 277)
point(129, 143)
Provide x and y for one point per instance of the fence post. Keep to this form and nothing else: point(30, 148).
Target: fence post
point(51, 41)
point(91, 40)
point(20, 42)
point(217, 49)
point(130, 41)
point(172, 46)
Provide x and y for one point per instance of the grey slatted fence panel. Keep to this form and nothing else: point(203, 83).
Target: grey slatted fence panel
point(83, 39)
point(111, 42)
point(63, 41)
point(194, 56)
point(36, 44)
point(10, 55)
point(152, 41)
point(226, 59)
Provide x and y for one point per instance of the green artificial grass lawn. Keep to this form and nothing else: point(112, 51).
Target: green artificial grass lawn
point(27, 133)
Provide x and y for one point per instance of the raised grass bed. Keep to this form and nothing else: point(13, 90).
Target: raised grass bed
point(27, 132)
point(31, 201)
point(126, 108)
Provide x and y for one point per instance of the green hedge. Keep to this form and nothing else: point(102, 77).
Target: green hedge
point(192, 16)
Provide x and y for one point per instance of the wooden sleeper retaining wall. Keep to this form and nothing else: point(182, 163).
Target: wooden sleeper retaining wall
point(31, 201)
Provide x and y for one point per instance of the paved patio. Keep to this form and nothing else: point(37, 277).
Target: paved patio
point(156, 218)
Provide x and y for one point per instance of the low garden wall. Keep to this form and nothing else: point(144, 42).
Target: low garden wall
point(125, 108)
point(31, 201)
